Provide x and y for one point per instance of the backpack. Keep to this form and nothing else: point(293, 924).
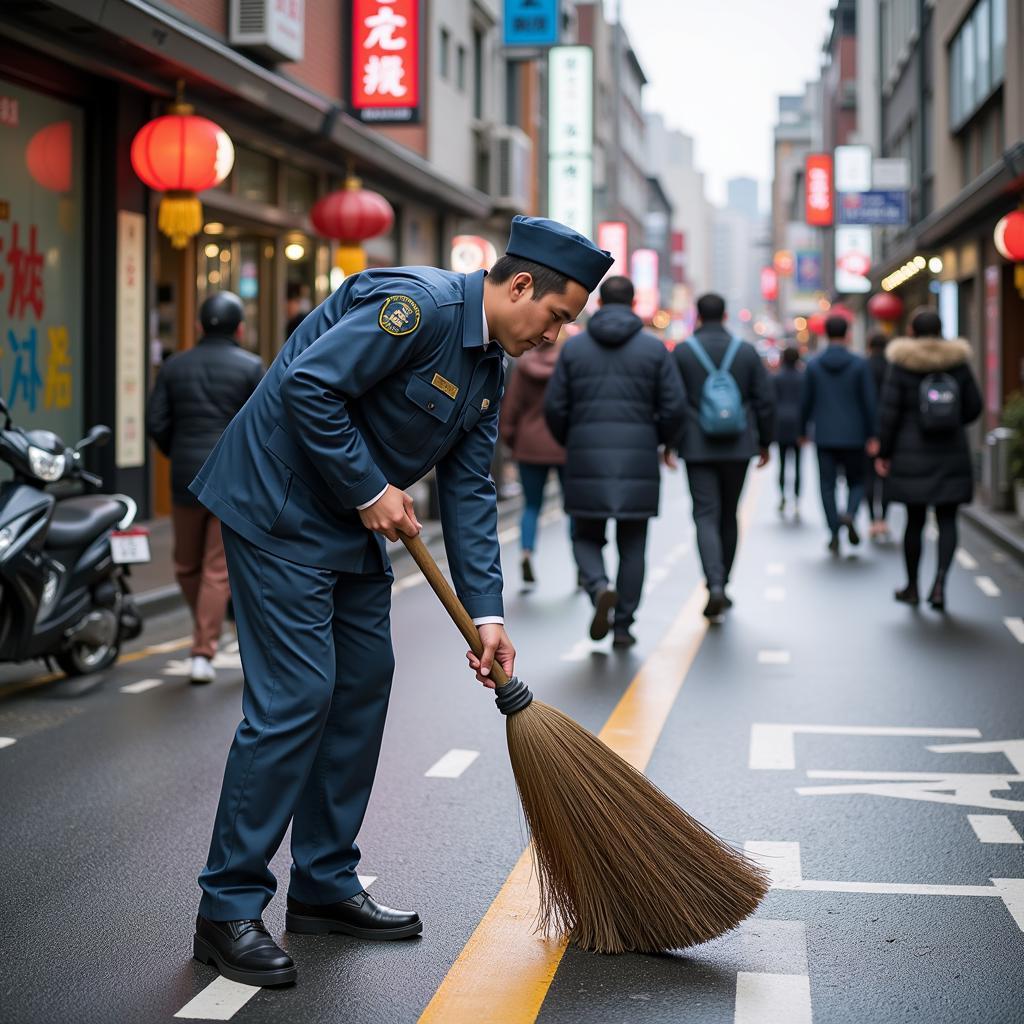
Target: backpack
point(722, 412)
point(938, 403)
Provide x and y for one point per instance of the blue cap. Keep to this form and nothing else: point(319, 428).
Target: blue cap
point(554, 245)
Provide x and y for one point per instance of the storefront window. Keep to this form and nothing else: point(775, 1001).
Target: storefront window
point(299, 191)
point(977, 59)
point(41, 268)
point(254, 176)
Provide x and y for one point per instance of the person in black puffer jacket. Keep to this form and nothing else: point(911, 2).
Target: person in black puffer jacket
point(613, 399)
point(196, 395)
point(923, 467)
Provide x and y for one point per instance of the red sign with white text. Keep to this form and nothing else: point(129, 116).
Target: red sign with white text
point(769, 284)
point(819, 205)
point(613, 236)
point(386, 61)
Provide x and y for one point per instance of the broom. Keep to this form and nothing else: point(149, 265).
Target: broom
point(620, 867)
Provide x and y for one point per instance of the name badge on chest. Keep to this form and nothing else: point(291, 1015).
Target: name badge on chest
point(450, 389)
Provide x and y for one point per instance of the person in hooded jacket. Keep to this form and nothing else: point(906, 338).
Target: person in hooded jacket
point(788, 384)
point(839, 399)
point(923, 466)
point(613, 399)
point(524, 430)
point(716, 467)
point(195, 397)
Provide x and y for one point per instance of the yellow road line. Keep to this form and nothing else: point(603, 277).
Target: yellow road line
point(503, 974)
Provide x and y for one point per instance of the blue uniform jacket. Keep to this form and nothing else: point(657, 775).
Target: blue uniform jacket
point(384, 380)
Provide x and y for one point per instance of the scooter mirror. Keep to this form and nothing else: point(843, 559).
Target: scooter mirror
point(98, 435)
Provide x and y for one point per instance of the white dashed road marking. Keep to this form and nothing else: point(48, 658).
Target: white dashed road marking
point(453, 764)
point(578, 651)
point(141, 686)
point(770, 657)
point(6, 741)
point(772, 998)
point(220, 1000)
point(994, 828)
point(775, 594)
point(1015, 625)
point(775, 569)
point(966, 560)
point(987, 586)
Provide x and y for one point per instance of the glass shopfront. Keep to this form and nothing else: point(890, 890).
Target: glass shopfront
point(41, 263)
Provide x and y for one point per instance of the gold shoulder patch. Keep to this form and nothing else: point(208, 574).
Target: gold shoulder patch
point(399, 315)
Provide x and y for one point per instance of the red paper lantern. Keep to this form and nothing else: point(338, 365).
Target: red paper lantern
point(48, 156)
point(181, 154)
point(816, 324)
point(885, 306)
point(1009, 236)
point(352, 214)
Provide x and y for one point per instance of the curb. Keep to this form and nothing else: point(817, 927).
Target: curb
point(995, 529)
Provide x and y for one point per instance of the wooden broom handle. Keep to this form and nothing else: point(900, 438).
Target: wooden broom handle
point(459, 615)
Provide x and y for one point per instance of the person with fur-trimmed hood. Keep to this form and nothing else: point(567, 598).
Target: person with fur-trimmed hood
point(929, 396)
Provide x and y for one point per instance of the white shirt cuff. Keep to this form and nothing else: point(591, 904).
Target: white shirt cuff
point(367, 504)
point(486, 619)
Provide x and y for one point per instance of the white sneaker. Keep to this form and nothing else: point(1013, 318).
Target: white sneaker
point(202, 670)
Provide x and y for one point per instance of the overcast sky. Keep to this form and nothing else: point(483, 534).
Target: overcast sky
point(715, 68)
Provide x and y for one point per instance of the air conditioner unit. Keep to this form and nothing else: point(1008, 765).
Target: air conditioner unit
point(511, 164)
point(272, 29)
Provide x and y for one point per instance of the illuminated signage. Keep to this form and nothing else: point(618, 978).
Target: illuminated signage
point(818, 188)
point(613, 237)
point(571, 137)
point(386, 61)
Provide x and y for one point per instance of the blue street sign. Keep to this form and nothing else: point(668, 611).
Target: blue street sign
point(876, 208)
point(531, 22)
point(807, 274)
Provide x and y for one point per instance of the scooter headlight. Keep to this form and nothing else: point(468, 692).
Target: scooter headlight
point(46, 465)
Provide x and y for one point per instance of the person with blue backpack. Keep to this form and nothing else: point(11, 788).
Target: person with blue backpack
point(730, 419)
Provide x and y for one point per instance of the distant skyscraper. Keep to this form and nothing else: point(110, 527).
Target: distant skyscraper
point(742, 193)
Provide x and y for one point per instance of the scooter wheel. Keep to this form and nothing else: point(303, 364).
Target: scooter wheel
point(82, 659)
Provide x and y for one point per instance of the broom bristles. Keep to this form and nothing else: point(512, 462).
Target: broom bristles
point(620, 867)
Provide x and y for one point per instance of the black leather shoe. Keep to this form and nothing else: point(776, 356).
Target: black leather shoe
point(623, 639)
point(361, 916)
point(716, 603)
point(601, 622)
point(242, 951)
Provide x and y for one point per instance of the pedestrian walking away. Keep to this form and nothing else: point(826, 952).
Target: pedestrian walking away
point(716, 459)
point(523, 428)
point(930, 395)
point(787, 385)
point(399, 371)
point(195, 397)
point(839, 399)
point(878, 505)
point(613, 400)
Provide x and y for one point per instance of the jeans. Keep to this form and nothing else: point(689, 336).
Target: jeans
point(785, 450)
point(852, 462)
point(715, 489)
point(533, 477)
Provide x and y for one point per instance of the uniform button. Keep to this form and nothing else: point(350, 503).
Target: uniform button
point(431, 406)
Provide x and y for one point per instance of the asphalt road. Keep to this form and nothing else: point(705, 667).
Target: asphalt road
point(806, 725)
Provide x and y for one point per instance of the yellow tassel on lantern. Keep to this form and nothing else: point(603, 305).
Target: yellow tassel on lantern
point(350, 259)
point(181, 217)
point(1018, 278)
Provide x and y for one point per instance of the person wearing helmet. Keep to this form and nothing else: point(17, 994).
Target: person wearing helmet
point(196, 395)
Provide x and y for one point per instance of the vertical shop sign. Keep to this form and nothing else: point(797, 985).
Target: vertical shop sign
point(41, 281)
point(613, 237)
point(386, 61)
point(853, 260)
point(571, 137)
point(129, 434)
point(644, 272)
point(818, 204)
point(769, 284)
point(678, 257)
point(993, 349)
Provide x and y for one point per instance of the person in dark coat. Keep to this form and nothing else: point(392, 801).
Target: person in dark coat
point(923, 467)
point(788, 387)
point(523, 428)
point(839, 399)
point(195, 397)
point(877, 504)
point(717, 467)
point(613, 399)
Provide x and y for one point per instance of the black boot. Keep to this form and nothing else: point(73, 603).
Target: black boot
point(716, 602)
point(604, 603)
point(242, 951)
point(937, 598)
point(908, 595)
point(361, 916)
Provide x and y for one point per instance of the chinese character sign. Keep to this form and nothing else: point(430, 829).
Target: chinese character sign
point(386, 60)
point(571, 137)
point(818, 188)
point(613, 237)
point(531, 22)
point(41, 261)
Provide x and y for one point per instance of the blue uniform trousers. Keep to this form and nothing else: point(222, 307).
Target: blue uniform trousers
point(317, 658)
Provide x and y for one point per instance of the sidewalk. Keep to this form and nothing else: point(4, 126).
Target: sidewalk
point(1005, 528)
point(157, 593)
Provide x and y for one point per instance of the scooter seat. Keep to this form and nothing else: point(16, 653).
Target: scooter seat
point(77, 521)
